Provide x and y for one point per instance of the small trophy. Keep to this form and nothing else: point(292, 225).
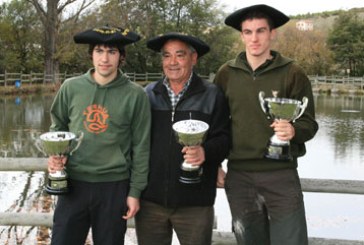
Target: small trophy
point(58, 144)
point(277, 109)
point(190, 133)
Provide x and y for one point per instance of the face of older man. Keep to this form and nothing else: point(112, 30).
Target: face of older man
point(178, 61)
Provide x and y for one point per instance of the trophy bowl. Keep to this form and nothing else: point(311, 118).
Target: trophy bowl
point(58, 143)
point(281, 109)
point(190, 133)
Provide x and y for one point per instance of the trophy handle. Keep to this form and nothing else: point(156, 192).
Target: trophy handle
point(78, 140)
point(302, 108)
point(38, 145)
point(262, 102)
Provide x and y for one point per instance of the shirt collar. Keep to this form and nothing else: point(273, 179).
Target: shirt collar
point(185, 87)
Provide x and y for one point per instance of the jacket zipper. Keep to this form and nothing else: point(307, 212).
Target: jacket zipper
point(168, 170)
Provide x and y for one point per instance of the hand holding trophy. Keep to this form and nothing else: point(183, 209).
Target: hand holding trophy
point(281, 109)
point(190, 133)
point(58, 144)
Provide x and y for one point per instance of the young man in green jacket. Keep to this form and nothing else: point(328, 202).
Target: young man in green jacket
point(109, 170)
point(264, 192)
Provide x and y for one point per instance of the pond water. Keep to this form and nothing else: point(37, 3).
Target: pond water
point(336, 152)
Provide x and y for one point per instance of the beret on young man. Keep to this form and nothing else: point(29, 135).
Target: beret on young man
point(278, 18)
point(107, 35)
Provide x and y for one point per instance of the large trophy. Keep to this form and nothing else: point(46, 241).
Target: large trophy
point(190, 133)
point(58, 143)
point(281, 109)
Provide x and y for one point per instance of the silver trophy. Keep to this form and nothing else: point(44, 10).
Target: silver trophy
point(58, 143)
point(190, 133)
point(281, 109)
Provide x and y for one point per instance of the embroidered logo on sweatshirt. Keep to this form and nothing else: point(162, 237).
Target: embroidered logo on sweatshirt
point(95, 119)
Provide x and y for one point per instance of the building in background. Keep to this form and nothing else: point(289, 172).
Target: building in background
point(304, 25)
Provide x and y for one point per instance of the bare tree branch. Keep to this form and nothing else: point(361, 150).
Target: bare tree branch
point(40, 10)
point(84, 5)
point(51, 19)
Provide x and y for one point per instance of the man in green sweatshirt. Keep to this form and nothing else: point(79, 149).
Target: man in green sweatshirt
point(109, 170)
point(264, 192)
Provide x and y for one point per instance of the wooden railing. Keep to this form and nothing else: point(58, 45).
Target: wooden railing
point(337, 79)
point(222, 238)
point(337, 84)
point(14, 79)
point(11, 77)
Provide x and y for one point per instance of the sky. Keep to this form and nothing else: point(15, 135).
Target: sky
point(294, 7)
point(290, 7)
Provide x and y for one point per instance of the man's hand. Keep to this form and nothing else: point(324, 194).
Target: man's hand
point(194, 155)
point(283, 129)
point(133, 207)
point(56, 163)
point(220, 183)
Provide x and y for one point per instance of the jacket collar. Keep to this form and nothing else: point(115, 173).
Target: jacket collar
point(278, 60)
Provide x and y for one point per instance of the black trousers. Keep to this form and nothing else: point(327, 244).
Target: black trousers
point(99, 206)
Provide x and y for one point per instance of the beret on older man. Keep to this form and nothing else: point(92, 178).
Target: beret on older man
point(107, 35)
point(234, 20)
point(158, 42)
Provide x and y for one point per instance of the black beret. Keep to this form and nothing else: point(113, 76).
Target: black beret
point(234, 20)
point(156, 43)
point(107, 35)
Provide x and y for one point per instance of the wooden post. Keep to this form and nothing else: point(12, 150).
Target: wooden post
point(5, 77)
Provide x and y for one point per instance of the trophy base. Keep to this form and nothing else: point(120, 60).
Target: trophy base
point(278, 151)
point(57, 192)
point(190, 174)
point(57, 184)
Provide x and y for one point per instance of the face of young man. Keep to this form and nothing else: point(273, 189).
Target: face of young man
point(106, 62)
point(257, 37)
point(178, 61)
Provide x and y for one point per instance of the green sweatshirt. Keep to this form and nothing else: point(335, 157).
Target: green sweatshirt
point(250, 127)
point(115, 119)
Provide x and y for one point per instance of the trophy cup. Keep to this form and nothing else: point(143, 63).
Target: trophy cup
point(190, 133)
point(58, 144)
point(278, 109)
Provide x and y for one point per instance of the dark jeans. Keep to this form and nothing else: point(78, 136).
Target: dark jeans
point(96, 205)
point(155, 224)
point(267, 207)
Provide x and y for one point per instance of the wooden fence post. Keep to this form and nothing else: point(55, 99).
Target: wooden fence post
point(5, 79)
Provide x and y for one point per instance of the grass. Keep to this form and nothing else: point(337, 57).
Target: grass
point(29, 89)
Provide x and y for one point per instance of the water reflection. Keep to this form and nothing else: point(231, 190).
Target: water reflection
point(340, 118)
point(21, 192)
point(336, 152)
point(22, 123)
point(341, 123)
point(22, 119)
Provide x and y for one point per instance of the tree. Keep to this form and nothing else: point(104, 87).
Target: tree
point(20, 38)
point(200, 18)
point(308, 48)
point(51, 18)
point(346, 40)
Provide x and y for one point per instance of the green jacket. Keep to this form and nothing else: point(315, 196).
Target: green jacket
point(250, 126)
point(115, 119)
